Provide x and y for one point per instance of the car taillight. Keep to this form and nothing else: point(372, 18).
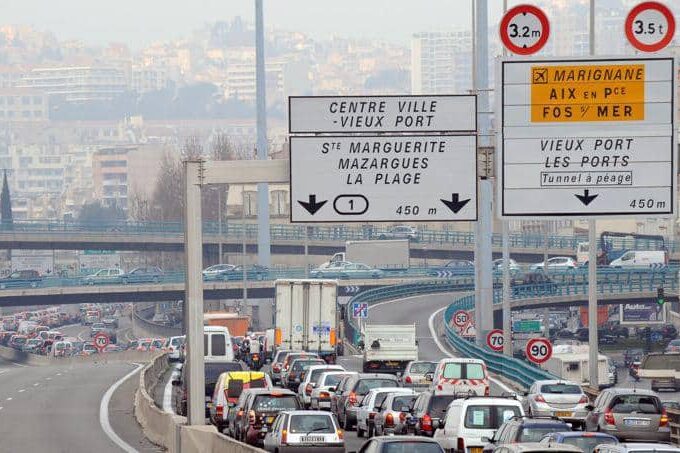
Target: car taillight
point(663, 421)
point(291, 376)
point(256, 356)
point(426, 422)
point(408, 380)
point(583, 400)
point(402, 417)
point(352, 399)
point(324, 395)
point(371, 415)
point(609, 417)
point(340, 433)
point(389, 420)
point(308, 389)
point(219, 409)
point(276, 368)
point(251, 417)
point(461, 444)
point(539, 399)
point(284, 436)
point(487, 391)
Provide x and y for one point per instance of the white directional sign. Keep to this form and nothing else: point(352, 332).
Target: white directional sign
point(587, 138)
point(383, 178)
point(353, 114)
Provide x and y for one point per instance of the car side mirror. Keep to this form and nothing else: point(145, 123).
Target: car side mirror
point(331, 389)
point(442, 423)
point(176, 382)
point(590, 407)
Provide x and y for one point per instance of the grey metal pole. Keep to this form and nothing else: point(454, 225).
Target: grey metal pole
point(193, 296)
point(219, 223)
point(507, 311)
point(263, 233)
point(244, 296)
point(592, 257)
point(306, 251)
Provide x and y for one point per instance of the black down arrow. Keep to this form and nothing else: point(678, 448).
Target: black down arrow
point(312, 206)
point(455, 204)
point(586, 198)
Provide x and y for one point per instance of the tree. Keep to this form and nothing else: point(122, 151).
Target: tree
point(95, 212)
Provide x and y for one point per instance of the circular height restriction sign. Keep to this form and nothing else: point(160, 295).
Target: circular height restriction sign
point(460, 318)
point(495, 340)
point(524, 29)
point(650, 26)
point(101, 340)
point(538, 350)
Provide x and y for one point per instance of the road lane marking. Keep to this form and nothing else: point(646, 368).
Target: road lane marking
point(19, 365)
point(22, 390)
point(36, 384)
point(104, 412)
point(48, 378)
point(9, 398)
point(3, 371)
point(441, 347)
point(58, 374)
point(167, 392)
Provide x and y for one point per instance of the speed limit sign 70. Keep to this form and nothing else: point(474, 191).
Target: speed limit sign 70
point(101, 340)
point(495, 340)
point(538, 350)
point(460, 318)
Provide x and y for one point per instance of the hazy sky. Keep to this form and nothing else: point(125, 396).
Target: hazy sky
point(139, 22)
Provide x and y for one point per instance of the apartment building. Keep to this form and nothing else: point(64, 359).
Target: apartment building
point(78, 83)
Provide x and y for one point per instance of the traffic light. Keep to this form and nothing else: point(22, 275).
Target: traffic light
point(659, 296)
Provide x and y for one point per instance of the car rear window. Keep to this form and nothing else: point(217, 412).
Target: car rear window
point(588, 444)
point(456, 370)
point(536, 433)
point(275, 403)
point(333, 379)
point(305, 364)
point(311, 424)
point(438, 405)
point(364, 385)
point(644, 404)
point(412, 446)
point(561, 389)
point(422, 367)
point(402, 401)
point(213, 370)
point(489, 417)
point(219, 344)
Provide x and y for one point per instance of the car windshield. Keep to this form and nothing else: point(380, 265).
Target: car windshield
point(305, 364)
point(422, 367)
point(489, 417)
point(535, 434)
point(588, 444)
point(402, 401)
point(333, 379)
point(411, 447)
point(311, 423)
point(364, 385)
point(640, 404)
point(563, 389)
point(275, 403)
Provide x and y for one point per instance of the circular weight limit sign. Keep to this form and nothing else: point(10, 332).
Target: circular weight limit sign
point(101, 340)
point(650, 26)
point(524, 29)
point(495, 340)
point(538, 350)
point(460, 318)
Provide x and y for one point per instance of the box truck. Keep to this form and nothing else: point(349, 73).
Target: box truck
point(306, 316)
point(389, 348)
point(237, 324)
point(383, 254)
point(570, 362)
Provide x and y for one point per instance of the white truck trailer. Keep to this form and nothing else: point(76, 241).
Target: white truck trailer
point(306, 316)
point(570, 363)
point(389, 348)
point(383, 254)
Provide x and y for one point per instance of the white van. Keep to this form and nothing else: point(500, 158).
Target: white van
point(457, 375)
point(470, 422)
point(217, 344)
point(641, 258)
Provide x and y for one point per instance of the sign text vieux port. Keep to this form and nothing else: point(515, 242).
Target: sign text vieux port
point(383, 158)
point(587, 138)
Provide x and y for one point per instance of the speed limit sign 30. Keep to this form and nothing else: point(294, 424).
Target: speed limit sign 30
point(650, 26)
point(495, 340)
point(538, 350)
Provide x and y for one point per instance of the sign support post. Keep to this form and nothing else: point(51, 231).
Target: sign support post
point(507, 310)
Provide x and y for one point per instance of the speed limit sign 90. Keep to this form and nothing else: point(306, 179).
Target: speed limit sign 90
point(495, 340)
point(538, 350)
point(650, 26)
point(460, 318)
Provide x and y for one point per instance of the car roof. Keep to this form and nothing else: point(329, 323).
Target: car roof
point(537, 446)
point(647, 446)
point(395, 439)
point(555, 381)
point(627, 391)
point(488, 400)
point(305, 412)
point(277, 391)
point(377, 376)
point(564, 434)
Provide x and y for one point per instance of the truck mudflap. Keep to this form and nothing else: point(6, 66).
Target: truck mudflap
point(387, 366)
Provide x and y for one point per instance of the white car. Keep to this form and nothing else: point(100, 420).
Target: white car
point(217, 271)
point(512, 264)
point(305, 430)
point(320, 398)
point(173, 346)
point(312, 375)
point(470, 422)
point(368, 408)
point(556, 263)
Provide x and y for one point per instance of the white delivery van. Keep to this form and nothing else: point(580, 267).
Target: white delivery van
point(217, 344)
point(458, 375)
point(641, 258)
point(389, 348)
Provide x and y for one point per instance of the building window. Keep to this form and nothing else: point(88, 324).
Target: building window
point(37, 100)
point(250, 203)
point(37, 113)
point(279, 202)
point(25, 100)
point(26, 113)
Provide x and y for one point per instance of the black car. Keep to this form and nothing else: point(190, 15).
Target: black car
point(428, 409)
point(525, 429)
point(412, 444)
point(212, 372)
point(21, 279)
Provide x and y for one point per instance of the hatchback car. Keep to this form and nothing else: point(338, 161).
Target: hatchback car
point(636, 448)
point(428, 409)
point(370, 405)
point(144, 274)
point(298, 369)
point(393, 413)
point(400, 232)
point(310, 379)
point(416, 374)
point(556, 263)
point(401, 444)
point(629, 414)
point(585, 441)
point(298, 431)
point(525, 429)
point(277, 364)
point(561, 399)
point(325, 389)
point(354, 392)
point(261, 409)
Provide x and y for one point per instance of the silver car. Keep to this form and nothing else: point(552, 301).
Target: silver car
point(321, 394)
point(277, 364)
point(629, 414)
point(553, 398)
point(305, 431)
point(393, 413)
point(635, 448)
point(416, 372)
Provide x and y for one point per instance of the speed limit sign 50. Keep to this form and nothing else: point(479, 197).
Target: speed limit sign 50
point(538, 350)
point(495, 340)
point(460, 318)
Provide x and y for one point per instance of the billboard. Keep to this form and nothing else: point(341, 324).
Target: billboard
point(642, 313)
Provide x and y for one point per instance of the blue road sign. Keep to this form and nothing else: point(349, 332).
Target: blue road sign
point(360, 310)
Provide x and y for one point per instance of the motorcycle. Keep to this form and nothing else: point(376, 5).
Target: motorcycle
point(255, 361)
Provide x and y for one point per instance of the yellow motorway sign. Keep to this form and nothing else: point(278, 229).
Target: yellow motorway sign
point(614, 92)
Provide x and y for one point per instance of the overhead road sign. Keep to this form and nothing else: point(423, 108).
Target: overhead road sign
point(538, 350)
point(524, 29)
point(384, 114)
point(383, 178)
point(650, 26)
point(587, 137)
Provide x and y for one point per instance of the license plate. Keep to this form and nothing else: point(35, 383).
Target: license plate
point(270, 419)
point(312, 439)
point(563, 414)
point(476, 450)
point(636, 422)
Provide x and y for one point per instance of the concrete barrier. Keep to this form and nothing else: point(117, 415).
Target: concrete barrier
point(27, 358)
point(170, 431)
point(142, 327)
